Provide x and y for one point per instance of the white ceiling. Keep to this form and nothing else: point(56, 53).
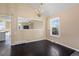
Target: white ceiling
point(49, 9)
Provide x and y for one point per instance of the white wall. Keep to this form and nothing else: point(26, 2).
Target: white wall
point(69, 24)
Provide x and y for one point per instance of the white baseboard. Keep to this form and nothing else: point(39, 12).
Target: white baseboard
point(64, 45)
point(21, 42)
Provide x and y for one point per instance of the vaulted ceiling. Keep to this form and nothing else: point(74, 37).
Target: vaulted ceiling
point(49, 9)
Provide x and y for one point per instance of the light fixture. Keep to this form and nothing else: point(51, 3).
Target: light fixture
point(39, 10)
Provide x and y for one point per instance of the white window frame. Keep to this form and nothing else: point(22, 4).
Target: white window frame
point(51, 26)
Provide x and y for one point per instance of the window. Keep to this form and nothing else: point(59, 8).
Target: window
point(55, 27)
point(2, 25)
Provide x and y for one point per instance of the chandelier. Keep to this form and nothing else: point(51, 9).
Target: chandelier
point(39, 10)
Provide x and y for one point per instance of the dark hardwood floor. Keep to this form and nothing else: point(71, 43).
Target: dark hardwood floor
point(40, 48)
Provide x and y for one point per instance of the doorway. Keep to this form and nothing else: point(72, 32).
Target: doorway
point(5, 35)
